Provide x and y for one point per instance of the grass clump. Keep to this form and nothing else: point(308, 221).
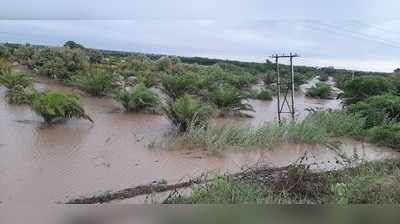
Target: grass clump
point(17, 85)
point(139, 99)
point(264, 95)
point(97, 83)
point(386, 135)
point(320, 90)
point(230, 101)
point(53, 106)
point(316, 128)
point(186, 112)
point(368, 183)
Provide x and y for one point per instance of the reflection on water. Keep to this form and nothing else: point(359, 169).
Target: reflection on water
point(80, 158)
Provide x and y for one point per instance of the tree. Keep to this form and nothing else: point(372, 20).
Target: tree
point(73, 45)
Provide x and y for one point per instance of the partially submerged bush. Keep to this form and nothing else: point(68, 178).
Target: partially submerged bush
point(14, 79)
point(230, 101)
point(186, 112)
point(5, 67)
point(18, 95)
point(264, 95)
point(324, 77)
point(178, 85)
point(320, 90)
point(141, 98)
point(378, 110)
point(17, 85)
point(97, 82)
point(386, 135)
point(362, 88)
point(54, 106)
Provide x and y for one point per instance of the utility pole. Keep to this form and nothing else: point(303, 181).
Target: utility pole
point(285, 88)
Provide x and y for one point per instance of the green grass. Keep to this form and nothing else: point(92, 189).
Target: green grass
point(369, 183)
point(321, 90)
point(314, 129)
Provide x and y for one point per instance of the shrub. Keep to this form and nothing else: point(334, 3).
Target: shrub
point(320, 90)
point(5, 67)
point(186, 112)
point(229, 101)
point(98, 82)
point(378, 109)
point(178, 85)
point(18, 95)
point(364, 87)
point(12, 79)
point(54, 106)
point(386, 135)
point(141, 98)
point(264, 95)
point(324, 77)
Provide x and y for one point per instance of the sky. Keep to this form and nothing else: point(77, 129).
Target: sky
point(357, 34)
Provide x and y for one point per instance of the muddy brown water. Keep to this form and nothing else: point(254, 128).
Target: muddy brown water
point(46, 165)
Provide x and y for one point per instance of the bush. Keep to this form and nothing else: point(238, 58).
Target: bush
point(362, 88)
point(18, 95)
point(229, 101)
point(378, 110)
point(323, 77)
point(186, 112)
point(178, 85)
point(141, 98)
point(5, 67)
point(12, 79)
point(97, 82)
point(386, 135)
point(54, 106)
point(264, 95)
point(320, 90)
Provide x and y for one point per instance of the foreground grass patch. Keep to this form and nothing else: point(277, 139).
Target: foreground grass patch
point(370, 183)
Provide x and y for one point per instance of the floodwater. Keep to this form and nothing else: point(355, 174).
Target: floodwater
point(47, 165)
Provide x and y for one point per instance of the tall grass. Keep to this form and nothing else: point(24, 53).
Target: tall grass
point(314, 129)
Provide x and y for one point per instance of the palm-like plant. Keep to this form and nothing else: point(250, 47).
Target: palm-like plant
point(177, 85)
point(186, 112)
point(229, 101)
point(141, 98)
point(11, 80)
point(98, 82)
point(54, 106)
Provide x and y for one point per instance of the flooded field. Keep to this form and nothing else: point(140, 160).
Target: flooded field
point(46, 165)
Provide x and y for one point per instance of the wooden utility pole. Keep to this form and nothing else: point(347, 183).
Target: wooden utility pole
point(287, 87)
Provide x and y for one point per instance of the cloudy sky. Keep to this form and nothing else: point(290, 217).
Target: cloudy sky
point(358, 34)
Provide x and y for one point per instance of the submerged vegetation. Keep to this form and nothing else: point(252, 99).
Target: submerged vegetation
point(369, 183)
point(230, 101)
point(314, 129)
point(139, 99)
point(54, 106)
point(187, 112)
point(320, 90)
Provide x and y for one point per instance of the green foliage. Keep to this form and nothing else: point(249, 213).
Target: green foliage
point(324, 77)
point(320, 90)
point(97, 82)
point(178, 85)
point(338, 123)
point(386, 135)
point(148, 78)
point(378, 110)
point(54, 106)
point(61, 63)
point(229, 101)
point(364, 87)
point(24, 55)
point(223, 190)
point(18, 95)
point(186, 112)
point(13, 79)
point(4, 51)
point(264, 95)
point(72, 45)
point(141, 98)
point(5, 67)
